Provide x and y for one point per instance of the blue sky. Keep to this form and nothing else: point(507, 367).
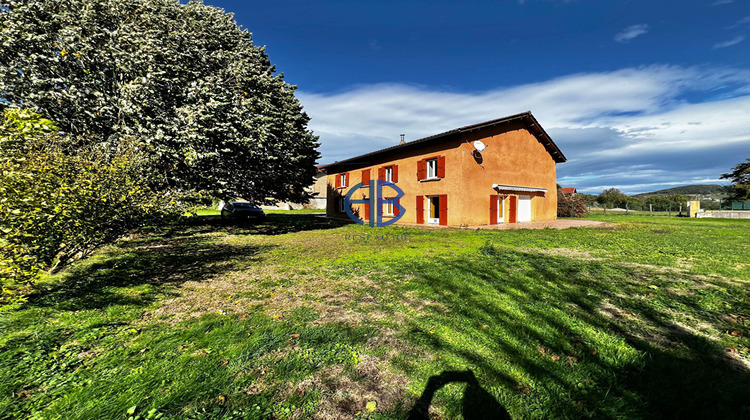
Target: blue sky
point(639, 95)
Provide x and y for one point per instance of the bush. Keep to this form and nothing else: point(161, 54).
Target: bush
point(59, 202)
point(571, 206)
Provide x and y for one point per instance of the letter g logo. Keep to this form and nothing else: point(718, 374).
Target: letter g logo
point(375, 200)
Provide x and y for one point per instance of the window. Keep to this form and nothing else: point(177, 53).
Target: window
point(388, 173)
point(342, 182)
point(388, 208)
point(432, 168)
point(341, 205)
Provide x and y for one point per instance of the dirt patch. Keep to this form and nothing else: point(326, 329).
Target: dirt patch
point(565, 252)
point(352, 300)
point(344, 395)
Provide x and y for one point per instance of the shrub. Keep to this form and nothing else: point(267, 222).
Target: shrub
point(59, 202)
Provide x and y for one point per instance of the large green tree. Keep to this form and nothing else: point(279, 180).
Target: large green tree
point(740, 177)
point(182, 81)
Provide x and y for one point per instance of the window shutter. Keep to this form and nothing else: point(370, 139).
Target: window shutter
point(420, 209)
point(513, 211)
point(441, 166)
point(381, 174)
point(338, 181)
point(366, 177)
point(421, 170)
point(347, 179)
point(493, 209)
point(443, 209)
point(396, 210)
point(395, 173)
point(367, 211)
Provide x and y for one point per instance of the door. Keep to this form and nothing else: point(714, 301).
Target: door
point(524, 208)
point(433, 215)
point(513, 209)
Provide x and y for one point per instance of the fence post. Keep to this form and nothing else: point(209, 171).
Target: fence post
point(650, 210)
point(627, 208)
point(572, 209)
point(669, 210)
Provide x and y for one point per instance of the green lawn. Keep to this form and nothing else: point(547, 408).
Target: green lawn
point(642, 318)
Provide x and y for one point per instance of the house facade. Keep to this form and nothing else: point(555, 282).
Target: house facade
point(499, 171)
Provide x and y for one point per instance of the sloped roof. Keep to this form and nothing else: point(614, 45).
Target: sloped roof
point(525, 117)
point(568, 190)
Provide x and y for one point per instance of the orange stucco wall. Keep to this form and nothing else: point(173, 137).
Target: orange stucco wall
point(513, 157)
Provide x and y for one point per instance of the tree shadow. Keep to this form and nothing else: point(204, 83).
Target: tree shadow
point(158, 262)
point(274, 224)
point(679, 373)
point(476, 403)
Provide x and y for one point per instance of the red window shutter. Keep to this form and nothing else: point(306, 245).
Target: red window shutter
point(421, 170)
point(381, 174)
point(443, 209)
point(366, 177)
point(395, 173)
point(513, 210)
point(338, 181)
point(441, 166)
point(493, 209)
point(420, 209)
point(396, 210)
point(348, 175)
point(367, 212)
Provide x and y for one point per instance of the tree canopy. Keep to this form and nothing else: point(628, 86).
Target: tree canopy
point(740, 177)
point(182, 81)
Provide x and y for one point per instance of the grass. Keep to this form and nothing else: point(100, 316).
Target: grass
point(642, 318)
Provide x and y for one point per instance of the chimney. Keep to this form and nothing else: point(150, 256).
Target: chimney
point(402, 139)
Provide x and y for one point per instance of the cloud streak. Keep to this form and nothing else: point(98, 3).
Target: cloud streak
point(631, 32)
point(733, 41)
point(631, 128)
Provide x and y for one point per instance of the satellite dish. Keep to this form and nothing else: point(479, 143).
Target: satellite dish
point(479, 146)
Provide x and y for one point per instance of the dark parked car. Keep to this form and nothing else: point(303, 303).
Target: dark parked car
point(242, 211)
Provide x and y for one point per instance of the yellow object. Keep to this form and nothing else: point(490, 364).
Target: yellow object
point(694, 207)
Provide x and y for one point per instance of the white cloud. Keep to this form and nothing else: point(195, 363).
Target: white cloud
point(740, 22)
point(623, 128)
point(631, 32)
point(733, 41)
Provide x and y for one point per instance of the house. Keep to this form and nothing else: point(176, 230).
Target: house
point(499, 171)
point(569, 191)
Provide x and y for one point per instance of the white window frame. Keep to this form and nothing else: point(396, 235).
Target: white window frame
point(432, 168)
point(341, 205)
point(342, 180)
point(388, 209)
point(389, 173)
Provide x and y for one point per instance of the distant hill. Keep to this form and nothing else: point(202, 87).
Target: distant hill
point(690, 189)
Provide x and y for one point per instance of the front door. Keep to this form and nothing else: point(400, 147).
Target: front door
point(433, 217)
point(501, 209)
point(524, 208)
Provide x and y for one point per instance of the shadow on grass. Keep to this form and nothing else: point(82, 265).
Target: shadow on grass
point(167, 255)
point(477, 404)
point(274, 224)
point(101, 282)
point(593, 337)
